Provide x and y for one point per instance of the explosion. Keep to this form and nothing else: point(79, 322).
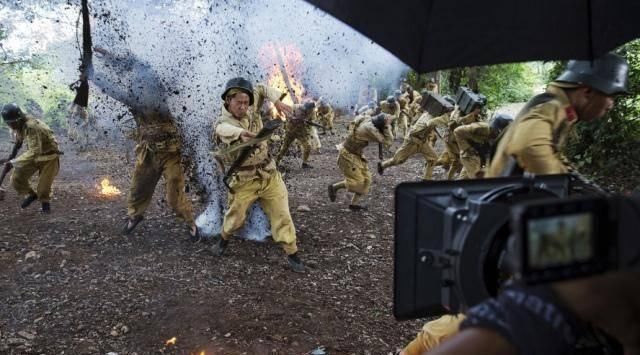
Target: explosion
point(107, 189)
point(285, 70)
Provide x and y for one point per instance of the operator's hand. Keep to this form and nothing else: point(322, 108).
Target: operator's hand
point(283, 108)
point(610, 301)
point(246, 135)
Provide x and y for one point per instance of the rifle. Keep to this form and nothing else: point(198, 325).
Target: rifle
point(483, 150)
point(16, 147)
point(311, 123)
point(247, 149)
point(380, 152)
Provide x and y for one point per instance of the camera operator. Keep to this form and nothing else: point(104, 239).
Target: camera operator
point(549, 319)
point(585, 91)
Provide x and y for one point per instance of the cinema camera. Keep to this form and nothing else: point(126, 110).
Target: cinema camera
point(456, 242)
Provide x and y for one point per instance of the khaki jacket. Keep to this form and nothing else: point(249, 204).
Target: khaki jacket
point(41, 143)
point(325, 111)
point(537, 137)
point(391, 109)
point(362, 133)
point(296, 125)
point(229, 128)
point(421, 129)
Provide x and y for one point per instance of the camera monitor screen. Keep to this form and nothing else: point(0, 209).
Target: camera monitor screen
point(560, 240)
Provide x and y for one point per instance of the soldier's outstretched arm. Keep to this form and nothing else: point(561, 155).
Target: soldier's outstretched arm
point(228, 133)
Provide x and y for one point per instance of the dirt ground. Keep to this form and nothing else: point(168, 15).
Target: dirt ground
point(71, 284)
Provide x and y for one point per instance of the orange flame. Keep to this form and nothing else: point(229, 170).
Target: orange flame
point(275, 57)
point(171, 341)
point(107, 189)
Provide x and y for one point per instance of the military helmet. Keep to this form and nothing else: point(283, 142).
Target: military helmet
point(372, 104)
point(483, 100)
point(322, 101)
point(391, 99)
point(608, 74)
point(239, 83)
point(379, 121)
point(309, 105)
point(397, 93)
point(500, 122)
point(11, 113)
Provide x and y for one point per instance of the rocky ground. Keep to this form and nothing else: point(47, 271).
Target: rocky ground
point(71, 284)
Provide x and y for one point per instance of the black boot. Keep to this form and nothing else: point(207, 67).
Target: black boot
point(46, 208)
point(295, 263)
point(306, 166)
point(130, 224)
point(380, 168)
point(357, 208)
point(332, 193)
point(220, 246)
point(28, 201)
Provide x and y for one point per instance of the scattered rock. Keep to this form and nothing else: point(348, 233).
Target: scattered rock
point(16, 341)
point(304, 208)
point(31, 255)
point(26, 335)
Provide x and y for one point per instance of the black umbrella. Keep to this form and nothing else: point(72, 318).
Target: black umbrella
point(437, 34)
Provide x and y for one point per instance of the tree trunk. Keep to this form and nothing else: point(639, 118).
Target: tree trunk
point(473, 78)
point(455, 79)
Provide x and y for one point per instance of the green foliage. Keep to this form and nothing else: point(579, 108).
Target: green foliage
point(504, 83)
point(32, 85)
point(507, 83)
point(610, 146)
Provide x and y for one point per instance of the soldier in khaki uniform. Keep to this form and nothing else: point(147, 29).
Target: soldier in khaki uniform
point(451, 145)
point(258, 177)
point(415, 107)
point(390, 106)
point(159, 146)
point(475, 141)
point(403, 118)
point(369, 110)
point(351, 160)
point(583, 92)
point(325, 115)
point(417, 142)
point(433, 333)
point(42, 156)
point(298, 129)
point(432, 86)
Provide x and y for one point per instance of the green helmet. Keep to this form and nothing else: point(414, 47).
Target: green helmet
point(309, 105)
point(500, 122)
point(239, 83)
point(11, 113)
point(608, 74)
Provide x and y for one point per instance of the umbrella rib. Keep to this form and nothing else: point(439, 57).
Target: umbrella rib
point(590, 30)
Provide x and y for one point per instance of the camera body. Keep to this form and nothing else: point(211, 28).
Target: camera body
point(457, 242)
point(576, 237)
